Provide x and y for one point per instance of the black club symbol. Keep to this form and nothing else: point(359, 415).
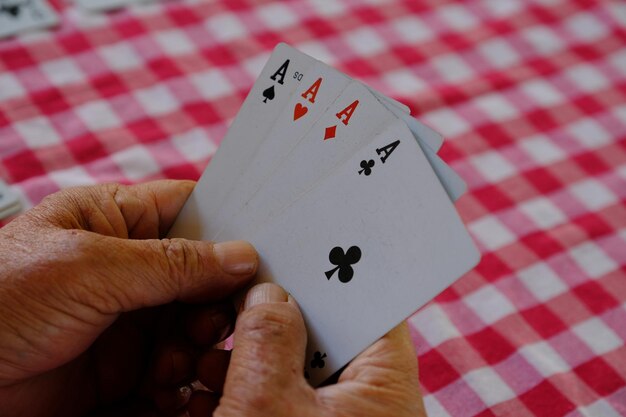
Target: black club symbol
point(12, 10)
point(366, 167)
point(318, 360)
point(343, 262)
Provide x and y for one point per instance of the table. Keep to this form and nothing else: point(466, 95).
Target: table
point(530, 95)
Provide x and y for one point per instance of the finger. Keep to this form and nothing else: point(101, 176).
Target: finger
point(169, 400)
point(209, 325)
point(173, 364)
point(212, 369)
point(125, 275)
point(143, 211)
point(269, 345)
point(202, 404)
point(391, 358)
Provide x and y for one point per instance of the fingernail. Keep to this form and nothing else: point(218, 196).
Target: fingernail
point(236, 257)
point(292, 301)
point(264, 293)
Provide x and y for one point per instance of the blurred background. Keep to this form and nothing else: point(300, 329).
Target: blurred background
point(529, 95)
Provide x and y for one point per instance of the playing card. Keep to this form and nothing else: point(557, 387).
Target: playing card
point(365, 248)
point(18, 16)
point(106, 5)
point(453, 184)
point(271, 91)
point(318, 90)
point(348, 124)
point(242, 145)
point(9, 201)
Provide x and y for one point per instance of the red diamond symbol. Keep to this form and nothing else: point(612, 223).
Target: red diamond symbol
point(330, 132)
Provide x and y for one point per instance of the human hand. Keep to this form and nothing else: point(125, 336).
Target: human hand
point(265, 375)
point(82, 275)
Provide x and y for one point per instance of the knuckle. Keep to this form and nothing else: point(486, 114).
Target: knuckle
point(181, 258)
point(268, 322)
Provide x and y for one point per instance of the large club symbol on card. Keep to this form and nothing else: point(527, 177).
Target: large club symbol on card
point(278, 76)
point(16, 9)
point(343, 117)
point(343, 262)
point(299, 109)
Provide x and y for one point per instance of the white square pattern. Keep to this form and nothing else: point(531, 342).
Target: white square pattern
point(499, 53)
point(10, 87)
point(37, 132)
point(447, 122)
point(452, 68)
point(542, 92)
point(98, 115)
point(412, 29)
point(492, 166)
point(404, 81)
point(434, 325)
point(458, 17)
point(587, 78)
point(543, 39)
point(600, 338)
point(592, 260)
point(62, 72)
point(212, 84)
point(365, 41)
point(174, 42)
point(120, 56)
point(542, 212)
point(194, 145)
point(489, 304)
point(491, 232)
point(496, 107)
point(593, 194)
point(589, 133)
point(136, 162)
point(226, 27)
point(586, 27)
point(600, 408)
point(541, 149)
point(72, 177)
point(542, 282)
point(157, 100)
point(544, 359)
point(489, 386)
point(277, 15)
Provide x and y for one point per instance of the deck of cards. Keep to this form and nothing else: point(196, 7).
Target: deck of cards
point(9, 201)
point(20, 16)
point(344, 197)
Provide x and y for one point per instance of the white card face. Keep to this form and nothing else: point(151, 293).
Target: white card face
point(349, 124)
point(431, 142)
point(269, 95)
point(318, 90)
point(423, 133)
point(453, 184)
point(18, 16)
point(366, 248)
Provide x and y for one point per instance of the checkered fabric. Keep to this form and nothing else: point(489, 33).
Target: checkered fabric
point(530, 95)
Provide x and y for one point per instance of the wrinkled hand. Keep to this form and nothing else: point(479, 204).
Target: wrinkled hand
point(81, 277)
point(265, 374)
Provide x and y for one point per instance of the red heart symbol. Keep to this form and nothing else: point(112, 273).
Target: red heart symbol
point(299, 111)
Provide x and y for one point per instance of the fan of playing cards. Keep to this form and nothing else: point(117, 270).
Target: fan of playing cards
point(343, 195)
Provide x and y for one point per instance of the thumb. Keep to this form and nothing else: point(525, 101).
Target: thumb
point(132, 274)
point(267, 359)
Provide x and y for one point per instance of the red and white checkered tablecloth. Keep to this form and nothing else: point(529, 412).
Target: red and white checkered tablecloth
point(530, 95)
